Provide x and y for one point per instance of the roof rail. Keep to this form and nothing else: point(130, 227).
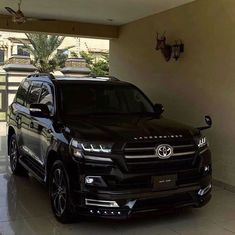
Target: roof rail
point(49, 75)
point(111, 78)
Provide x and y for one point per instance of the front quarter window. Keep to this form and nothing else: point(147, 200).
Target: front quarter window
point(22, 93)
point(46, 97)
point(34, 93)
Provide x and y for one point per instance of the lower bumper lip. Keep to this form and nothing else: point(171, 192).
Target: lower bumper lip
point(126, 212)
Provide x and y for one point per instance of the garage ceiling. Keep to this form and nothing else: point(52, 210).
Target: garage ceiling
point(93, 11)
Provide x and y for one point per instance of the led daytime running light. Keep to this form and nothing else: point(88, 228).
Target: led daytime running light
point(202, 142)
point(97, 148)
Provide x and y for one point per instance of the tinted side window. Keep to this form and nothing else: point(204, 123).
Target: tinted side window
point(34, 93)
point(46, 97)
point(22, 92)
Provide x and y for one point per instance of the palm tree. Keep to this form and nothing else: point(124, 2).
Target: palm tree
point(43, 49)
point(98, 68)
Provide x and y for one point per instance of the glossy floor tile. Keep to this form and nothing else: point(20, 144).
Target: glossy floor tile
point(25, 210)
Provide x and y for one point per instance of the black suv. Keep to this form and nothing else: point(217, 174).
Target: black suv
point(104, 149)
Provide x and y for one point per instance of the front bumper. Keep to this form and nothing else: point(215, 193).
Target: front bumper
point(193, 188)
point(135, 202)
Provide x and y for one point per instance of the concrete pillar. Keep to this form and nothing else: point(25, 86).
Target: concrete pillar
point(75, 67)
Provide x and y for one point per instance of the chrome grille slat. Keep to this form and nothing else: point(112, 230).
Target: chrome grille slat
point(183, 146)
point(184, 153)
point(155, 156)
point(140, 156)
point(139, 149)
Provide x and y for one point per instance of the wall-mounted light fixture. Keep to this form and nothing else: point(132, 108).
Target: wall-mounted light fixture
point(168, 50)
point(177, 49)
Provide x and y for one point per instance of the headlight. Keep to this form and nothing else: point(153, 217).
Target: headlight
point(97, 148)
point(78, 147)
point(202, 142)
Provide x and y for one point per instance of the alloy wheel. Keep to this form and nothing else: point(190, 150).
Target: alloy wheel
point(59, 192)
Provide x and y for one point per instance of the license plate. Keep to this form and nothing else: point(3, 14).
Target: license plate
point(164, 182)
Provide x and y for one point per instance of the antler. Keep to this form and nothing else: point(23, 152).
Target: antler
point(19, 4)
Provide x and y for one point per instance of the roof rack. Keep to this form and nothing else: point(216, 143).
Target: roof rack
point(35, 75)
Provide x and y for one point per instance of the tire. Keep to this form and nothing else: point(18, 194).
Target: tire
point(59, 192)
point(16, 167)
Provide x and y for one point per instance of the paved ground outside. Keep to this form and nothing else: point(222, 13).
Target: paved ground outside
point(2, 129)
point(25, 210)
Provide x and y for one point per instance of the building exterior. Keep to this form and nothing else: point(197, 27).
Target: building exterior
point(15, 62)
point(10, 45)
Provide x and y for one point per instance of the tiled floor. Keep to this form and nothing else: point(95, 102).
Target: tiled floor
point(25, 210)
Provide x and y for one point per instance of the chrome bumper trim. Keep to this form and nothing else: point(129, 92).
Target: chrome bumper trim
point(92, 202)
point(204, 191)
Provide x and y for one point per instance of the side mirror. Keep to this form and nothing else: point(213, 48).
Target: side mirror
point(208, 121)
point(159, 109)
point(39, 110)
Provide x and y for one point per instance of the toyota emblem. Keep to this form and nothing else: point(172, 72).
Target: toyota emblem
point(164, 151)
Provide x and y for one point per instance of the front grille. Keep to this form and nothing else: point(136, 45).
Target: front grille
point(141, 156)
point(137, 150)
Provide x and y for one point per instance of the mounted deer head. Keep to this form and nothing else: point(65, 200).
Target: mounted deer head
point(165, 48)
point(161, 42)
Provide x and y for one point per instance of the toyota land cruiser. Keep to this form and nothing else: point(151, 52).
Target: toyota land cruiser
point(104, 149)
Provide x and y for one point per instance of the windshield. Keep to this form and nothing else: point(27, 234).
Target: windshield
point(80, 99)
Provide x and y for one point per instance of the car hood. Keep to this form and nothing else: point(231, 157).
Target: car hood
point(125, 128)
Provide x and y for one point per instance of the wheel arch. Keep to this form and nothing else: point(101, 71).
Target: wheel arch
point(51, 158)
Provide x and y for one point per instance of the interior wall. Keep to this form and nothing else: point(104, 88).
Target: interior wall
point(201, 82)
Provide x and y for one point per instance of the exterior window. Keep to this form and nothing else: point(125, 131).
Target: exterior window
point(22, 92)
point(21, 51)
point(46, 97)
point(34, 94)
point(2, 56)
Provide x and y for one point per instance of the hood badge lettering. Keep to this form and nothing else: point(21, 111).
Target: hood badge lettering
point(158, 137)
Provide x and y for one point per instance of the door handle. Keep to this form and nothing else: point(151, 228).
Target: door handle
point(18, 119)
point(31, 125)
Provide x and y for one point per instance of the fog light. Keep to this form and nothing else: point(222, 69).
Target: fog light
point(95, 181)
point(89, 180)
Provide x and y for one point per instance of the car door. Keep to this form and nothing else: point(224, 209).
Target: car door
point(30, 129)
point(45, 124)
point(19, 110)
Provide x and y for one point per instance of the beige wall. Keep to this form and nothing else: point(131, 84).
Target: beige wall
point(202, 82)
